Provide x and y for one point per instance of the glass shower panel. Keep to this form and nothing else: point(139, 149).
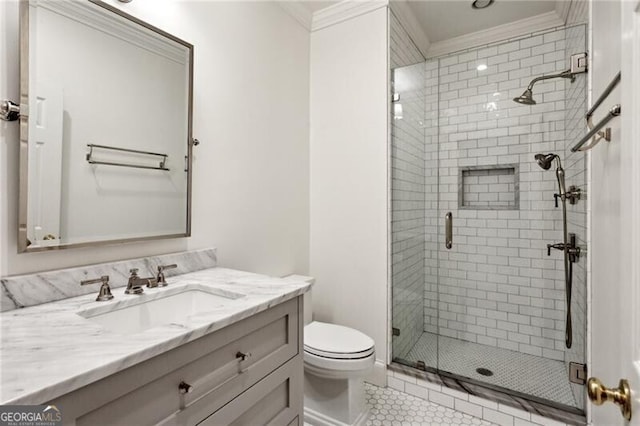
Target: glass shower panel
point(408, 198)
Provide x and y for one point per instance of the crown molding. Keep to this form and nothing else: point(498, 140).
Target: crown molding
point(344, 10)
point(562, 9)
point(499, 33)
point(407, 18)
point(297, 11)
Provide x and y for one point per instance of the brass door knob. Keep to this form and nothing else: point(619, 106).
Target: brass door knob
point(599, 394)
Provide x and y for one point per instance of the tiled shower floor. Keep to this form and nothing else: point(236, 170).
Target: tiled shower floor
point(528, 374)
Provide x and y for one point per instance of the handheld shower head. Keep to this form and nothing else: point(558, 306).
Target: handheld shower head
point(545, 160)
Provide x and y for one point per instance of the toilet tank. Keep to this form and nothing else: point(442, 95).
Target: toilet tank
point(308, 308)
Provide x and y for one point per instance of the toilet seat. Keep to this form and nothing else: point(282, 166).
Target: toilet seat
point(335, 351)
point(336, 342)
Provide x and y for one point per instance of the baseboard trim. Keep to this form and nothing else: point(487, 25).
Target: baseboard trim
point(378, 375)
point(313, 418)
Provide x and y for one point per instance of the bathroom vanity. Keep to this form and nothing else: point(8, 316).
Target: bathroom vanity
point(248, 373)
point(237, 359)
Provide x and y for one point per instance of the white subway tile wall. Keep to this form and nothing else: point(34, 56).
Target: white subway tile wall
point(431, 212)
point(497, 286)
point(407, 188)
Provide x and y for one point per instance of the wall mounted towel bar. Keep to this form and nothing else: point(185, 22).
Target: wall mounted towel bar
point(161, 166)
point(594, 131)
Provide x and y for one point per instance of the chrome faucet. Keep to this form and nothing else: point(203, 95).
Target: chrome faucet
point(105, 291)
point(160, 278)
point(135, 283)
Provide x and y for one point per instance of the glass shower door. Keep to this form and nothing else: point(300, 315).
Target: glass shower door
point(501, 292)
point(491, 308)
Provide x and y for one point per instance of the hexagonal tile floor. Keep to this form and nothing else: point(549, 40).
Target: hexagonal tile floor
point(508, 367)
point(390, 407)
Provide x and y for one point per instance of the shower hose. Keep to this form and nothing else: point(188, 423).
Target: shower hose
point(568, 277)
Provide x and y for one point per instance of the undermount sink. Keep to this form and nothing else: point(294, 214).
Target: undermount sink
point(177, 306)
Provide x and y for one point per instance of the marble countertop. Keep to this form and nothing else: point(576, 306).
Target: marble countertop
point(49, 350)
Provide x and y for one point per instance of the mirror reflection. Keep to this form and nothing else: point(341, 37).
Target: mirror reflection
point(108, 127)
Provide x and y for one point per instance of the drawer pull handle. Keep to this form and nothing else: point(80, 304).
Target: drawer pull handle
point(184, 387)
point(242, 356)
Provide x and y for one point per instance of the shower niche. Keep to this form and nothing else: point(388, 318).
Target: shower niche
point(490, 311)
point(488, 187)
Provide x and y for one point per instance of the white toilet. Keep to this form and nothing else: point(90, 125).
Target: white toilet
point(336, 360)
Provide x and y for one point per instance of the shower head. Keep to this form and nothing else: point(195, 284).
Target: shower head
point(545, 160)
point(526, 98)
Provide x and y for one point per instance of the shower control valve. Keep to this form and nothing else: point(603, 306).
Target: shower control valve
point(573, 195)
point(557, 246)
point(572, 249)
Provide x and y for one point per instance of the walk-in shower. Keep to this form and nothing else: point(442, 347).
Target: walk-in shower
point(490, 303)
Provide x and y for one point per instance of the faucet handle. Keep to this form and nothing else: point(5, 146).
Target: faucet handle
point(134, 283)
point(162, 282)
point(557, 246)
point(105, 291)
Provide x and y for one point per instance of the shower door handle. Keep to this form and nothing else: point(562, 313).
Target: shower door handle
point(448, 230)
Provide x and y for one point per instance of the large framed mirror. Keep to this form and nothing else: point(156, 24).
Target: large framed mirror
point(105, 127)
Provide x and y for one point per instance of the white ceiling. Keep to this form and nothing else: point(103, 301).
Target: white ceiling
point(441, 20)
point(313, 5)
point(445, 19)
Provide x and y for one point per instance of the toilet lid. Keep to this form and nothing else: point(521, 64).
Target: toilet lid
point(336, 341)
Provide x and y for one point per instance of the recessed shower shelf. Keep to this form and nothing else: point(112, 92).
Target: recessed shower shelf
point(489, 187)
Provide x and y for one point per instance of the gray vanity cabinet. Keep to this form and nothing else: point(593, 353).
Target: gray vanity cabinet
point(248, 373)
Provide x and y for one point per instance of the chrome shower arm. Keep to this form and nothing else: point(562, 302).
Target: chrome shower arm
point(563, 74)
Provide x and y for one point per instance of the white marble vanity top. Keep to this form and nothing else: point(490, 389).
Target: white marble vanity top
point(49, 350)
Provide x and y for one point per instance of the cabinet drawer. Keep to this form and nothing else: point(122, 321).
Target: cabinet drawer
point(274, 400)
point(212, 367)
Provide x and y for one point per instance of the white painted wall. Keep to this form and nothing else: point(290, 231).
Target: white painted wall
point(348, 255)
point(251, 113)
point(605, 200)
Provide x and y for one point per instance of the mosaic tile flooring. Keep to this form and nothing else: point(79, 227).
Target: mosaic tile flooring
point(390, 407)
point(528, 374)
